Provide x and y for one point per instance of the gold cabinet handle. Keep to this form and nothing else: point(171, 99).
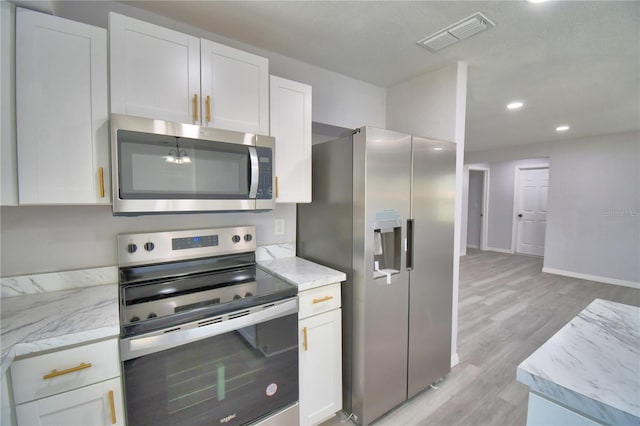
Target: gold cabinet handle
point(195, 107)
point(208, 109)
point(276, 186)
point(324, 299)
point(305, 344)
point(56, 373)
point(112, 407)
point(101, 176)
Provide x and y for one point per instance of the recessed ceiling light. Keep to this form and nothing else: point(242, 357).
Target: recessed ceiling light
point(438, 148)
point(536, 1)
point(563, 128)
point(515, 105)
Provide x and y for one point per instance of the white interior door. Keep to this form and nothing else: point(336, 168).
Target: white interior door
point(533, 185)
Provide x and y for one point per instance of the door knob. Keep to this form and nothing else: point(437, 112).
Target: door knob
point(520, 215)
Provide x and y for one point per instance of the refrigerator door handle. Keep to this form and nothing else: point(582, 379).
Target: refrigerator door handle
point(409, 244)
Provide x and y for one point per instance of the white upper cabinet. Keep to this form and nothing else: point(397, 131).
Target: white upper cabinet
point(290, 106)
point(164, 74)
point(155, 72)
point(235, 89)
point(8, 165)
point(61, 111)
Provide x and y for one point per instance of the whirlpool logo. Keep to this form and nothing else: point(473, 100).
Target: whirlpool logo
point(228, 418)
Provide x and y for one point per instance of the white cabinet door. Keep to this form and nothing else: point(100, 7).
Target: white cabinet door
point(320, 367)
point(97, 404)
point(61, 111)
point(155, 71)
point(290, 105)
point(8, 166)
point(235, 89)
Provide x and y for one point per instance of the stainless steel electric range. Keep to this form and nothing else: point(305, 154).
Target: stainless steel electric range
point(206, 337)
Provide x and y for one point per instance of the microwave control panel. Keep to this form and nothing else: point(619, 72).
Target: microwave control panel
point(265, 180)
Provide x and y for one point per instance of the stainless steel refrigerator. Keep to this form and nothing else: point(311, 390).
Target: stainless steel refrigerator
point(383, 212)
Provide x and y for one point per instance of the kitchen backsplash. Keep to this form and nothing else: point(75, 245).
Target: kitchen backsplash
point(55, 281)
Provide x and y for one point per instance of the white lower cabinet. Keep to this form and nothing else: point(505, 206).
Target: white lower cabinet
point(98, 404)
point(543, 412)
point(320, 335)
point(76, 386)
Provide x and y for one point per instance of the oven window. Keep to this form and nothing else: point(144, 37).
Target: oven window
point(230, 379)
point(165, 167)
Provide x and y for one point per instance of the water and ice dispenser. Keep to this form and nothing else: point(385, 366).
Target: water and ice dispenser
point(387, 245)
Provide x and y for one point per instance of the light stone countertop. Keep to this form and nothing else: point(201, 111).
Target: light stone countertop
point(301, 272)
point(49, 312)
point(592, 364)
point(53, 320)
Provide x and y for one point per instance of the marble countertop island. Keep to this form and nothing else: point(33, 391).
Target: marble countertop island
point(592, 365)
point(42, 321)
point(301, 272)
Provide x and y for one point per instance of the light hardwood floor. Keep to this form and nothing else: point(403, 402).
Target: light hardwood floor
point(507, 309)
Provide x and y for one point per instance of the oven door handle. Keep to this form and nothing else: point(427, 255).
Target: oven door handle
point(255, 172)
point(134, 347)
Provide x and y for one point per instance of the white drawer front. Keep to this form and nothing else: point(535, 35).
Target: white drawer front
point(318, 300)
point(72, 370)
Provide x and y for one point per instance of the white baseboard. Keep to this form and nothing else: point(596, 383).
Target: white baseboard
point(499, 250)
point(473, 246)
point(454, 359)
point(597, 278)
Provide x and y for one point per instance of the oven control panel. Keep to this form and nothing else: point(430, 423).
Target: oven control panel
point(154, 247)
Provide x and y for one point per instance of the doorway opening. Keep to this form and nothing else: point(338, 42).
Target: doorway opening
point(477, 207)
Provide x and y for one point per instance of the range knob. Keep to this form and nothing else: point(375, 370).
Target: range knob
point(248, 294)
point(235, 238)
point(149, 246)
point(151, 315)
point(132, 248)
point(134, 319)
point(248, 237)
point(237, 297)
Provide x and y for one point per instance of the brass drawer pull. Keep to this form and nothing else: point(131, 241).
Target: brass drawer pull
point(305, 343)
point(208, 109)
point(56, 373)
point(101, 177)
point(324, 299)
point(195, 107)
point(112, 407)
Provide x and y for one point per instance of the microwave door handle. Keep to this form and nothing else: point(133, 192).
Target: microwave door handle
point(255, 172)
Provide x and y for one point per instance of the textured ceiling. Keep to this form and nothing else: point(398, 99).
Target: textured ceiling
point(571, 62)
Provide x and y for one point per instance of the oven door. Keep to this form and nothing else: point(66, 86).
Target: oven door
point(230, 374)
point(161, 166)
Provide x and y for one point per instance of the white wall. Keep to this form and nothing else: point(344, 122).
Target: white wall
point(38, 239)
point(434, 105)
point(337, 99)
point(593, 223)
point(517, 152)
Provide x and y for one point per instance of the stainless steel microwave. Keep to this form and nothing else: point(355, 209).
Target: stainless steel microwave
point(161, 167)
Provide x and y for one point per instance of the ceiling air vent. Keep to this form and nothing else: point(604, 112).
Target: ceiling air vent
point(461, 30)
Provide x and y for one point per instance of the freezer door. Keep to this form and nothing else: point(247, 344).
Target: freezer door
point(382, 179)
point(431, 277)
